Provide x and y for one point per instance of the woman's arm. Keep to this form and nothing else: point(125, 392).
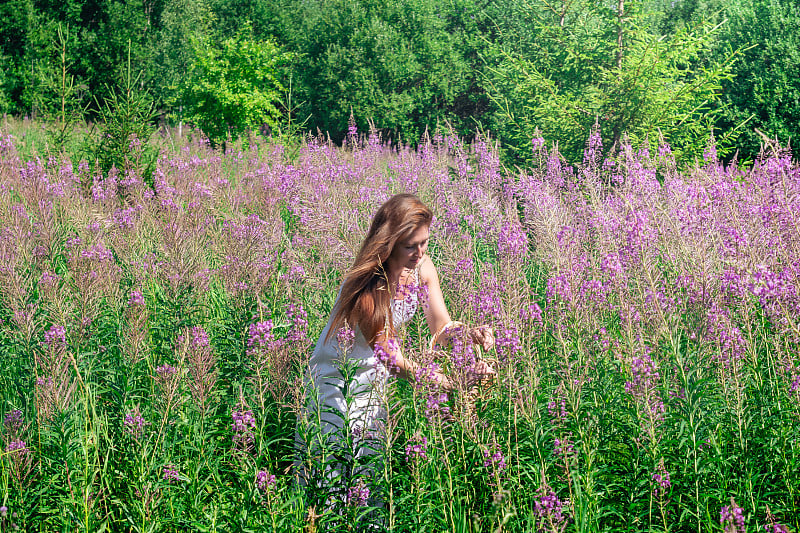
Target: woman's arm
point(387, 349)
point(436, 311)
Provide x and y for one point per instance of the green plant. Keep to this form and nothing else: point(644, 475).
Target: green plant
point(236, 87)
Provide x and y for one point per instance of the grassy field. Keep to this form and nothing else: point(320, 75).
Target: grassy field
point(154, 329)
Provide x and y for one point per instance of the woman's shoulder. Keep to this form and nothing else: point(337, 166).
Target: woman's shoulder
point(427, 270)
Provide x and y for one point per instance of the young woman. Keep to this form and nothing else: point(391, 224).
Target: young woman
point(379, 295)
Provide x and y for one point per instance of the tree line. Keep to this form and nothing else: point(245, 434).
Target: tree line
point(653, 70)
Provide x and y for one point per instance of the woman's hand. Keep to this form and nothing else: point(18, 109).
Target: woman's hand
point(480, 371)
point(483, 336)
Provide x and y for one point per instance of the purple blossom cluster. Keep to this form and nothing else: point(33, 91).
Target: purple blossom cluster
point(17, 446)
point(136, 298)
point(357, 495)
point(13, 421)
point(345, 337)
point(494, 459)
point(134, 424)
point(242, 426)
point(298, 332)
point(264, 480)
point(417, 450)
point(260, 336)
point(731, 518)
point(549, 511)
point(643, 387)
point(55, 338)
point(170, 474)
point(661, 481)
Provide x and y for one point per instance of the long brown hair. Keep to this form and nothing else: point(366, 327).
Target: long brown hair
point(365, 298)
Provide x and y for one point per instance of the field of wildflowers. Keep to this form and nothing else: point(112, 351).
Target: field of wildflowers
point(153, 334)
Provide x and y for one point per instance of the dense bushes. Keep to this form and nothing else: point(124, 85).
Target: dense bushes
point(645, 68)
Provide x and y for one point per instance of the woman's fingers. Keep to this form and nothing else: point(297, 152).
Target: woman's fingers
point(484, 368)
point(483, 336)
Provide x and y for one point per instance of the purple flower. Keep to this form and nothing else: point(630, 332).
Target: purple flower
point(13, 421)
point(243, 421)
point(199, 337)
point(242, 426)
point(731, 518)
point(512, 241)
point(548, 510)
point(357, 495)
point(136, 298)
point(264, 480)
point(417, 450)
point(387, 357)
point(165, 371)
point(55, 337)
point(260, 336)
point(661, 480)
point(134, 424)
point(345, 337)
point(17, 446)
point(299, 319)
point(170, 474)
point(563, 447)
point(494, 459)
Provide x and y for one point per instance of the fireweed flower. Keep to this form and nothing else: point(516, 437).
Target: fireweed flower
point(17, 447)
point(13, 421)
point(244, 422)
point(134, 424)
point(494, 459)
point(557, 406)
point(435, 404)
point(345, 337)
point(643, 387)
point(55, 338)
point(731, 518)
point(198, 338)
point(417, 450)
point(165, 371)
point(563, 448)
point(299, 319)
point(357, 495)
point(264, 480)
point(512, 242)
point(661, 480)
point(136, 299)
point(387, 358)
point(170, 475)
point(773, 526)
point(549, 510)
point(260, 336)
point(507, 341)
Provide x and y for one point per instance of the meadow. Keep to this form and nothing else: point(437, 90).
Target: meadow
point(154, 329)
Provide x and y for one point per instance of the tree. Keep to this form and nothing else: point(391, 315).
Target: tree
point(235, 87)
point(765, 92)
point(581, 63)
point(401, 64)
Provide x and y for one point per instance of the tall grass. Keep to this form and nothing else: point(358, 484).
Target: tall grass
point(153, 341)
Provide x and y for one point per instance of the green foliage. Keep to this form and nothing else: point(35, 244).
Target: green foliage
point(182, 22)
point(567, 71)
point(125, 128)
point(235, 88)
point(401, 64)
point(766, 88)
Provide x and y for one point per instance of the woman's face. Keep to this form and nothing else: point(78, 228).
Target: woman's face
point(407, 253)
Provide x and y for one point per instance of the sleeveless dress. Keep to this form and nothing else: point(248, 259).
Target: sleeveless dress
point(326, 387)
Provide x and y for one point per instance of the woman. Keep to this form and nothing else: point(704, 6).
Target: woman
point(349, 368)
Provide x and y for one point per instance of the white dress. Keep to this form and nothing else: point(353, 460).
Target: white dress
point(366, 389)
